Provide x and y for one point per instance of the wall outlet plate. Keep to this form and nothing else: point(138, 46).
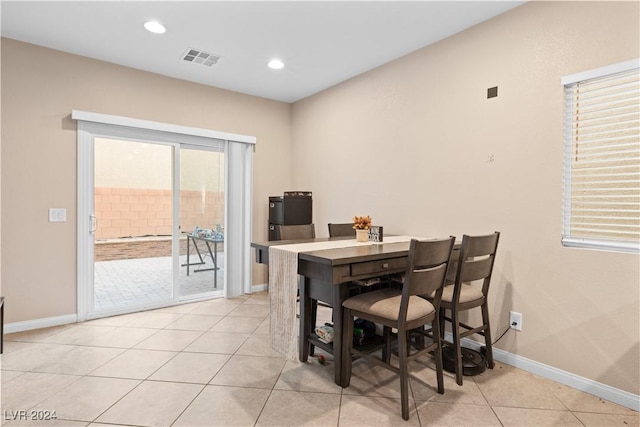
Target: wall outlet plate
point(57, 215)
point(515, 320)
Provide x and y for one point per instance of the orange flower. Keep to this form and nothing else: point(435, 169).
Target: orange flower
point(361, 222)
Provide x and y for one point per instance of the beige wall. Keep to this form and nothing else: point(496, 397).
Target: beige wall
point(40, 88)
point(418, 146)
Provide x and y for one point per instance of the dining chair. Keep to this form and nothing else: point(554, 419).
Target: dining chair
point(405, 310)
point(341, 229)
point(294, 232)
point(470, 271)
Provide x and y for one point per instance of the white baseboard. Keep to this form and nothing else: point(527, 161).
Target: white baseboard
point(586, 385)
point(28, 325)
point(259, 288)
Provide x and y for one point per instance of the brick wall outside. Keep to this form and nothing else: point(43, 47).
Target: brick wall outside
point(135, 212)
point(194, 211)
point(130, 221)
point(109, 250)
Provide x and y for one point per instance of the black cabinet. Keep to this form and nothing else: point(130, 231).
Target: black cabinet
point(294, 208)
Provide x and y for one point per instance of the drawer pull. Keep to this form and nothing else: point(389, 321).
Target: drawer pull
point(382, 265)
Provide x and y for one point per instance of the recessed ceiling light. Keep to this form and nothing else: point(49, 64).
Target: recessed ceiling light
point(276, 64)
point(155, 27)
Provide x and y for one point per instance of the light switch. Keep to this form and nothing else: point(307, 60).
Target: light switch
point(57, 215)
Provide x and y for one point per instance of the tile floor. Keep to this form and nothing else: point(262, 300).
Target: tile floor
point(209, 364)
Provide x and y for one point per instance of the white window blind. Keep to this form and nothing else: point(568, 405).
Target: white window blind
point(602, 158)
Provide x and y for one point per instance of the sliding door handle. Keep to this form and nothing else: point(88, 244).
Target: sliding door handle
point(94, 223)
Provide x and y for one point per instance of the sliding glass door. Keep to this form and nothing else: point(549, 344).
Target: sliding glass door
point(164, 214)
point(139, 261)
point(134, 203)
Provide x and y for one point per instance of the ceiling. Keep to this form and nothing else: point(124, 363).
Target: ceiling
point(322, 43)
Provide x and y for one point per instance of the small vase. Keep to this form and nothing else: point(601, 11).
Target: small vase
point(362, 235)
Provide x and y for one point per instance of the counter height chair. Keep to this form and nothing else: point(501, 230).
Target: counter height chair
point(404, 310)
point(342, 229)
point(295, 232)
point(470, 271)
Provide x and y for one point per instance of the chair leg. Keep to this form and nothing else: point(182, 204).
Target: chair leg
point(347, 346)
point(404, 371)
point(438, 354)
point(455, 326)
point(386, 351)
point(487, 335)
point(441, 315)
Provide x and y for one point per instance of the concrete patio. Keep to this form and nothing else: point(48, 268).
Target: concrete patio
point(137, 281)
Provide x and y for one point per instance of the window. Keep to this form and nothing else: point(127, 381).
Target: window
point(602, 158)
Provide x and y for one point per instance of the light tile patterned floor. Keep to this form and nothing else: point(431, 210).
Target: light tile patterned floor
point(209, 364)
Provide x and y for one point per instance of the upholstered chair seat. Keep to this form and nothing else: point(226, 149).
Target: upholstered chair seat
point(467, 294)
point(385, 303)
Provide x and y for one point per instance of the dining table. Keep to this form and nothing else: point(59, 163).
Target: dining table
point(321, 269)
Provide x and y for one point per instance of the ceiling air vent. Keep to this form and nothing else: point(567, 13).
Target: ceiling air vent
point(199, 57)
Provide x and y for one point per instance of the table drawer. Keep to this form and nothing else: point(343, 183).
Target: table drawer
point(378, 267)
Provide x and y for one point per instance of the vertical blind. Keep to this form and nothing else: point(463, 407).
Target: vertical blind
point(602, 161)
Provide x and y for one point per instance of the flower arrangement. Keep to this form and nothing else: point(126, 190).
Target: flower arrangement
point(361, 222)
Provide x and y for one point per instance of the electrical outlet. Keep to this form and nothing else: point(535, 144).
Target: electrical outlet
point(57, 215)
point(515, 320)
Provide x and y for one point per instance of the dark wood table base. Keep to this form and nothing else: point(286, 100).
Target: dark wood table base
point(326, 275)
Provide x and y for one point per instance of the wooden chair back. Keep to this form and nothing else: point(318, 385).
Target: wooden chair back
point(426, 272)
point(343, 229)
point(295, 232)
